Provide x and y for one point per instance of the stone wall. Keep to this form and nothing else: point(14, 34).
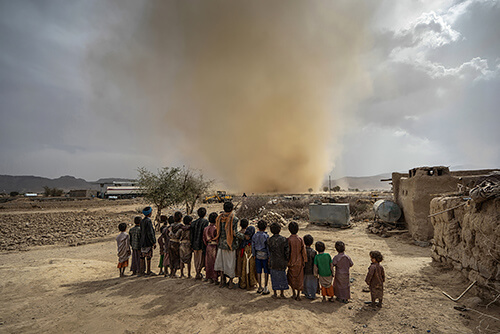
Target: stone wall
point(468, 238)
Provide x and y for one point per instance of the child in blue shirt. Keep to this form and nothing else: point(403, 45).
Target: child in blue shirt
point(260, 251)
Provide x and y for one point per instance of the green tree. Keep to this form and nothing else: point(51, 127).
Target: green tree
point(192, 187)
point(325, 189)
point(310, 190)
point(54, 192)
point(162, 189)
point(336, 188)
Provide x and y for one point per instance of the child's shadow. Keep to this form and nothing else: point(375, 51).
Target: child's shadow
point(364, 314)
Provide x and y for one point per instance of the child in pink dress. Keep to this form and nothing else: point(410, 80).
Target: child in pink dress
point(341, 283)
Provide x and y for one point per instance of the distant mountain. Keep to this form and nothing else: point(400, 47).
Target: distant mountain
point(111, 180)
point(29, 183)
point(362, 182)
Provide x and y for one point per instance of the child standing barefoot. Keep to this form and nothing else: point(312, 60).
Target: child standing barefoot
point(161, 242)
point(123, 243)
point(310, 281)
point(240, 252)
point(260, 251)
point(185, 250)
point(279, 253)
point(298, 258)
point(166, 248)
point(323, 269)
point(209, 235)
point(376, 278)
point(341, 284)
point(135, 243)
point(174, 245)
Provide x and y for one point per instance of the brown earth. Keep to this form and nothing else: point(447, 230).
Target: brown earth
point(57, 288)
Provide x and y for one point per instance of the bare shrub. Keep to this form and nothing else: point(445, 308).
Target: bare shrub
point(294, 213)
point(295, 204)
point(294, 209)
point(360, 209)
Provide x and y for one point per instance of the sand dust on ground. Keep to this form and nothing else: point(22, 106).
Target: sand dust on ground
point(76, 289)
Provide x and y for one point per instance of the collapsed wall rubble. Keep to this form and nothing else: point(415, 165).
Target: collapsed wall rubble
point(467, 237)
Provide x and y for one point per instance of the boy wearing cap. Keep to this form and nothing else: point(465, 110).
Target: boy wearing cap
point(148, 241)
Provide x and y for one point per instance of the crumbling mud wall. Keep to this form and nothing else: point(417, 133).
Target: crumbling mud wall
point(413, 192)
point(468, 238)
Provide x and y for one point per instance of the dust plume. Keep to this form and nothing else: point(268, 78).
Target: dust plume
point(254, 93)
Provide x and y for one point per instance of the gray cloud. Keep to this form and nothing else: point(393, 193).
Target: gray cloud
point(434, 99)
point(433, 69)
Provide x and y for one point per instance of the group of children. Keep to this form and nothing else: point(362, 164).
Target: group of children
point(290, 262)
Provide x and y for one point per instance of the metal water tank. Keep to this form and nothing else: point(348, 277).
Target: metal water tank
point(333, 214)
point(387, 210)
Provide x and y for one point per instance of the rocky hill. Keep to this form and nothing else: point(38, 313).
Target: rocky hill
point(29, 183)
point(362, 182)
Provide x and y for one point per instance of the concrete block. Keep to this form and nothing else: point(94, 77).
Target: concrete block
point(333, 214)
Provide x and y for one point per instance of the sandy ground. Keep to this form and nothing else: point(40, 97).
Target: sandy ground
point(77, 289)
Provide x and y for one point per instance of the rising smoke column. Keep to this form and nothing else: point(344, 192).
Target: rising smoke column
point(252, 92)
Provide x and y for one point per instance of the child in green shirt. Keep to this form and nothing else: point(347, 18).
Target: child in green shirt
point(323, 269)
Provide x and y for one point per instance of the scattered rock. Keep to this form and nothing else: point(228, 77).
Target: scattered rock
point(473, 301)
point(422, 243)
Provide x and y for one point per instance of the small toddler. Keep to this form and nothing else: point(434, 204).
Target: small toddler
point(376, 278)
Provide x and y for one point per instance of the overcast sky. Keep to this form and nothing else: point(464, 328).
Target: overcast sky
point(430, 95)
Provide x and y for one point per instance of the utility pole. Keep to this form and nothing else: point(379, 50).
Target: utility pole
point(330, 185)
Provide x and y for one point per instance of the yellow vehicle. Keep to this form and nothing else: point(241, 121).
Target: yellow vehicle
point(219, 197)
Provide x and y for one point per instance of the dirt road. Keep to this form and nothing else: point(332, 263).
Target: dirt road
point(76, 289)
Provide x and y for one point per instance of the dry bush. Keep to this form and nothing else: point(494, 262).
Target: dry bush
point(251, 207)
point(294, 204)
point(294, 213)
point(360, 209)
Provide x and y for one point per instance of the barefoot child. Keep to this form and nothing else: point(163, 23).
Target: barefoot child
point(341, 284)
point(185, 250)
point(310, 281)
point(166, 247)
point(197, 228)
point(260, 252)
point(240, 250)
point(298, 258)
point(123, 243)
point(209, 235)
point(376, 278)
point(323, 269)
point(161, 242)
point(173, 250)
point(135, 243)
point(279, 253)
point(148, 241)
point(248, 280)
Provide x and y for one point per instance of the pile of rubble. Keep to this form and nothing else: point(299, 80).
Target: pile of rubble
point(385, 229)
point(273, 217)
